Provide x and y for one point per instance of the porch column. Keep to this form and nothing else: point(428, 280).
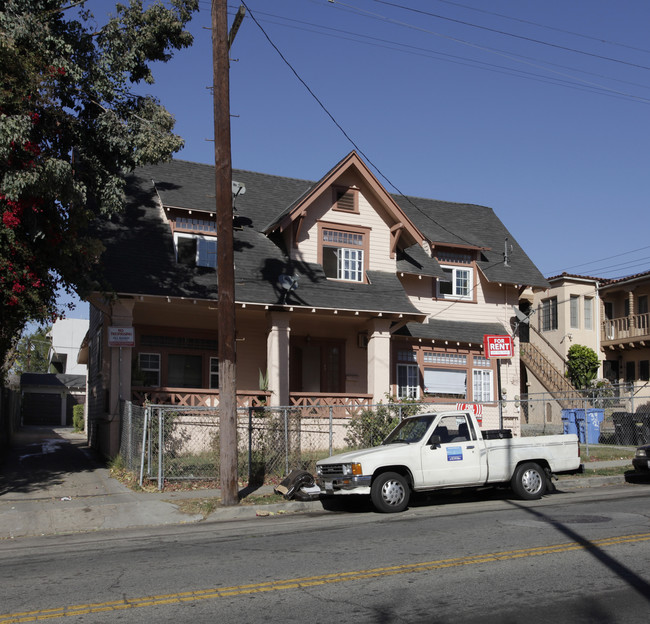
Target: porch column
point(277, 357)
point(120, 380)
point(379, 359)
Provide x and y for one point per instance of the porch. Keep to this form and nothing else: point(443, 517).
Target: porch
point(631, 331)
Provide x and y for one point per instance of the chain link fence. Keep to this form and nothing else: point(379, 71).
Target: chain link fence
point(168, 443)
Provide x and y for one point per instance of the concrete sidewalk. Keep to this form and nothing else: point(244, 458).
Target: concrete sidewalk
point(52, 483)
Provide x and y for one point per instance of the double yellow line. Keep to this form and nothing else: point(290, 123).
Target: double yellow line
point(309, 581)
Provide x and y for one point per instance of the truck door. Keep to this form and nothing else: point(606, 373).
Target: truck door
point(460, 459)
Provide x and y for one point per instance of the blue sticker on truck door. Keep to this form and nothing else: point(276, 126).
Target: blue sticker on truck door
point(454, 453)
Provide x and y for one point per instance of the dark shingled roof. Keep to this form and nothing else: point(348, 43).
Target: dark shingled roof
point(416, 261)
point(453, 331)
point(448, 223)
point(140, 258)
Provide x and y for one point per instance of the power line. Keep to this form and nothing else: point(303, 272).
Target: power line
point(346, 135)
point(483, 48)
point(405, 48)
point(507, 34)
point(538, 25)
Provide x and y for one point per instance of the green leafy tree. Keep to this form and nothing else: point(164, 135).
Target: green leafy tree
point(582, 365)
point(32, 352)
point(70, 128)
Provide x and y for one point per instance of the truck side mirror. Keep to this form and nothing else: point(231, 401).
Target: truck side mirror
point(434, 441)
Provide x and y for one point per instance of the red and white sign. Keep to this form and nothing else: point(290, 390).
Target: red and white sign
point(121, 337)
point(498, 346)
point(477, 410)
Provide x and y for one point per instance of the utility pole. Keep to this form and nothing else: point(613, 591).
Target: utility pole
point(225, 264)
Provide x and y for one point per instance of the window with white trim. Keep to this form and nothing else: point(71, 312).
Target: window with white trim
point(408, 383)
point(574, 311)
point(459, 284)
point(342, 253)
point(482, 385)
point(194, 250)
point(589, 312)
point(149, 365)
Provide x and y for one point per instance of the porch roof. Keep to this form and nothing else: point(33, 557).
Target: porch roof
point(452, 331)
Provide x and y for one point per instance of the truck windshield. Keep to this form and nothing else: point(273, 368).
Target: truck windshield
point(410, 430)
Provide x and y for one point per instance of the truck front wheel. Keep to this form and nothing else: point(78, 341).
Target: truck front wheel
point(529, 481)
point(390, 492)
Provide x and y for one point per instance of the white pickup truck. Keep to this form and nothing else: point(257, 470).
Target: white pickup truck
point(447, 450)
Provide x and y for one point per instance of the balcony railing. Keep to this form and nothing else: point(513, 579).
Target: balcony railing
point(635, 327)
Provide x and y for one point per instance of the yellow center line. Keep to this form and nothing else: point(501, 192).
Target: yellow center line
point(309, 581)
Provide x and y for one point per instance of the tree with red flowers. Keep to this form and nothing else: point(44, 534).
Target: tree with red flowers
point(70, 128)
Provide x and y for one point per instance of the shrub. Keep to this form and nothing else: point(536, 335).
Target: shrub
point(78, 417)
point(370, 426)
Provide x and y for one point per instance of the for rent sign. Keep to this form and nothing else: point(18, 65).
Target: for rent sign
point(498, 346)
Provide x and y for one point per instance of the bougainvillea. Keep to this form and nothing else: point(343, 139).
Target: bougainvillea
point(70, 127)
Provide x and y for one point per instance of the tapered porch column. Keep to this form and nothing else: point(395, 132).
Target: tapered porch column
point(120, 381)
point(379, 359)
point(277, 357)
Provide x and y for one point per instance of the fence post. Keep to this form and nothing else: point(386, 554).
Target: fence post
point(161, 422)
point(286, 441)
point(250, 443)
point(129, 437)
point(144, 443)
point(331, 427)
point(586, 425)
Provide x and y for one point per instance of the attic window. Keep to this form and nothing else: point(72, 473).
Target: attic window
point(195, 250)
point(195, 225)
point(343, 252)
point(445, 255)
point(346, 199)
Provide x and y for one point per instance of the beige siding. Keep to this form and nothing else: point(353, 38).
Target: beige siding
point(368, 217)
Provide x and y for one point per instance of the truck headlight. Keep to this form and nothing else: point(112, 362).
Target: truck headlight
point(641, 453)
point(352, 469)
point(319, 470)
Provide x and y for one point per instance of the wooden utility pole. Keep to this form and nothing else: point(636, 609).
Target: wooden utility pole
point(225, 264)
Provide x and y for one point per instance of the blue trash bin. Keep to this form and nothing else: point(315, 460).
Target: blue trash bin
point(589, 427)
point(569, 421)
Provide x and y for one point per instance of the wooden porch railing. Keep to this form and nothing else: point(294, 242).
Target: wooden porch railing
point(633, 326)
point(197, 397)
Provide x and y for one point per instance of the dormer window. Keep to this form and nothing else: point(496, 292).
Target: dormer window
point(195, 250)
point(343, 251)
point(460, 279)
point(346, 199)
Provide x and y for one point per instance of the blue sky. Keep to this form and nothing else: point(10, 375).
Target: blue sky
point(536, 109)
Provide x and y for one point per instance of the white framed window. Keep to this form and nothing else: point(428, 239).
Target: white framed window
point(589, 313)
point(194, 250)
point(149, 364)
point(214, 372)
point(574, 311)
point(459, 284)
point(342, 253)
point(408, 386)
point(482, 385)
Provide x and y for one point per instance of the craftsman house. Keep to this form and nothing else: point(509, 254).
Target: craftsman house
point(344, 294)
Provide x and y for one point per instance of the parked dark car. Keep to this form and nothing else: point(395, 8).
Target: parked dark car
point(641, 461)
